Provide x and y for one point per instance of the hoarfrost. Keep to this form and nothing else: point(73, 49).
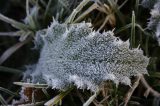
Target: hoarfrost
point(148, 3)
point(154, 20)
point(75, 54)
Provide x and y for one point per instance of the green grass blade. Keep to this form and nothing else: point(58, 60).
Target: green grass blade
point(146, 45)
point(154, 74)
point(58, 98)
point(122, 4)
point(85, 13)
point(132, 38)
point(76, 10)
point(12, 50)
point(136, 6)
point(4, 103)
point(90, 100)
point(10, 70)
point(34, 104)
point(45, 92)
point(8, 91)
point(123, 28)
point(14, 23)
point(11, 34)
point(47, 8)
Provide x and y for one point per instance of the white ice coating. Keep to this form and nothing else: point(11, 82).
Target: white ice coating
point(75, 54)
point(154, 20)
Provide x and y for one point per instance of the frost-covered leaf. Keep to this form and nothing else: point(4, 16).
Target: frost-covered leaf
point(75, 54)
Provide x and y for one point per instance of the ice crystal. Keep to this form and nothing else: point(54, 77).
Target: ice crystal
point(23, 97)
point(158, 33)
point(155, 17)
point(154, 5)
point(75, 54)
point(154, 20)
point(148, 3)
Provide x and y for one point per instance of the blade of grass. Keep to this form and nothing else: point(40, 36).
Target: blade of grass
point(47, 8)
point(76, 10)
point(132, 89)
point(10, 70)
point(45, 92)
point(4, 103)
point(33, 97)
point(146, 46)
point(116, 9)
point(11, 34)
point(24, 36)
point(32, 23)
point(123, 28)
point(43, 3)
point(105, 21)
point(122, 4)
point(30, 17)
point(132, 38)
point(12, 49)
point(148, 87)
point(90, 100)
point(80, 96)
point(154, 74)
point(90, 9)
point(136, 7)
point(64, 5)
point(8, 91)
point(27, 7)
point(146, 33)
point(14, 23)
point(58, 98)
point(129, 26)
point(10, 98)
point(31, 85)
point(34, 104)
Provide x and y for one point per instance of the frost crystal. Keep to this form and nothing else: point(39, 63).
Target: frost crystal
point(158, 33)
point(74, 54)
point(154, 20)
point(148, 3)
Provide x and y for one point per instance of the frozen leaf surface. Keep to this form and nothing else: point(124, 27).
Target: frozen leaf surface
point(75, 54)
